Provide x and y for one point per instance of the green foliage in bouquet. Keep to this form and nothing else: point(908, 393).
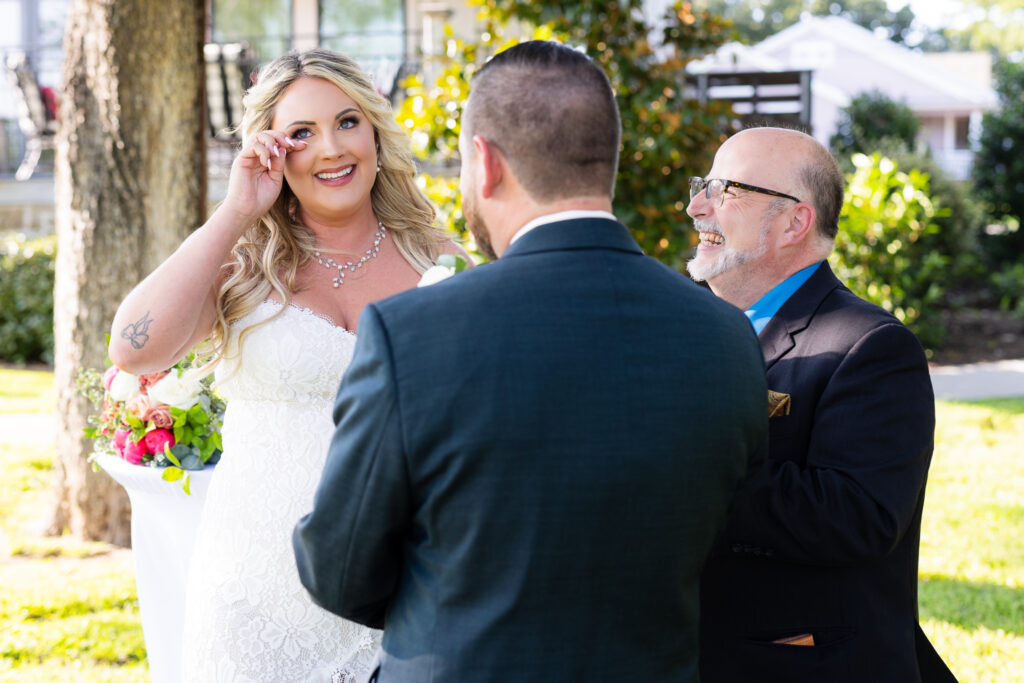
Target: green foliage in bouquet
point(666, 136)
point(170, 419)
point(882, 253)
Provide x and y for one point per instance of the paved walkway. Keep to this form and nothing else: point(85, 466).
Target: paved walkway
point(979, 380)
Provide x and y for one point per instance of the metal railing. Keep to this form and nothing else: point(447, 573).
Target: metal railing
point(380, 53)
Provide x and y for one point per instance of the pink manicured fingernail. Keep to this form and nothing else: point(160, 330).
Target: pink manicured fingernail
point(277, 151)
point(268, 166)
point(289, 141)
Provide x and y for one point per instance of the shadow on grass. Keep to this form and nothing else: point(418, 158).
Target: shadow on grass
point(969, 605)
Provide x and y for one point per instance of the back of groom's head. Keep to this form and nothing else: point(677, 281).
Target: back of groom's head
point(551, 112)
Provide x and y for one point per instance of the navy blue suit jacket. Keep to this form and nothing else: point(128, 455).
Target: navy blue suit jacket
point(531, 461)
point(825, 539)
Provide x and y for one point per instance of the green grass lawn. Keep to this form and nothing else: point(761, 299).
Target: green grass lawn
point(972, 548)
point(69, 612)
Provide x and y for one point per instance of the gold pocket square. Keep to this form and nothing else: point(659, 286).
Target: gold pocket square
point(778, 403)
point(804, 639)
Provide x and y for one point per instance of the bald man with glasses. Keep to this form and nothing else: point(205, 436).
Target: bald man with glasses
point(814, 578)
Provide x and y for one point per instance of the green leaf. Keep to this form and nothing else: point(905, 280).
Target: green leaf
point(185, 485)
point(172, 474)
point(192, 462)
point(170, 456)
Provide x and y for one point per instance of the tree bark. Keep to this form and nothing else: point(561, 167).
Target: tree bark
point(130, 185)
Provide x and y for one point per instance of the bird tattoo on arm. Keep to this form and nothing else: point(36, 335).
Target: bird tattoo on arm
point(137, 333)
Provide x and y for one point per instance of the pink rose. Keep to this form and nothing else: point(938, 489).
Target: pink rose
point(134, 451)
point(120, 436)
point(146, 381)
point(157, 439)
point(160, 416)
point(108, 377)
point(138, 406)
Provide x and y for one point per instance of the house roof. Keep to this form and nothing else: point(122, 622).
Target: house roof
point(848, 59)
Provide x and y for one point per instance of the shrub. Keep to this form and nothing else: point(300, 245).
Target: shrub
point(882, 251)
point(1008, 284)
point(999, 165)
point(872, 121)
point(960, 219)
point(26, 300)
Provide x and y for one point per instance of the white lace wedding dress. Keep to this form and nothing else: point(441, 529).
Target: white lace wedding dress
point(247, 616)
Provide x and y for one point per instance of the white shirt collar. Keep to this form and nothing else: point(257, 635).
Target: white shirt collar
point(560, 216)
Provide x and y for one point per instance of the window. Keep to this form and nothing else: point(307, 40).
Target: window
point(962, 139)
point(264, 25)
point(372, 32)
point(53, 16)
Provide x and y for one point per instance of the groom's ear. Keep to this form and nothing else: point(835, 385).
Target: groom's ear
point(490, 168)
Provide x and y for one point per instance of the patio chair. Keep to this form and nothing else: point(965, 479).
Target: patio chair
point(229, 71)
point(38, 125)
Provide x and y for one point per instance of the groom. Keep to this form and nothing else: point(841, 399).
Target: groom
point(533, 457)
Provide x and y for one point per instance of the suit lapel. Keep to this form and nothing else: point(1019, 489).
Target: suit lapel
point(779, 336)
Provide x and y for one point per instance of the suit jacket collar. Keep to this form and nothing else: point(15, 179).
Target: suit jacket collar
point(580, 233)
point(777, 337)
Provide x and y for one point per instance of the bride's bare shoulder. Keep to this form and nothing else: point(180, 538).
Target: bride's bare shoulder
point(456, 249)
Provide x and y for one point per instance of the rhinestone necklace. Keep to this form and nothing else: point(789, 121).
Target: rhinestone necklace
point(352, 266)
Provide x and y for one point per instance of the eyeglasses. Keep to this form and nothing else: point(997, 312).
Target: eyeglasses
point(714, 189)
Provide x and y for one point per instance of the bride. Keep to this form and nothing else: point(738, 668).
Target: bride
point(322, 216)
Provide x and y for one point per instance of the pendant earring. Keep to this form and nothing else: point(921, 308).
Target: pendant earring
point(378, 158)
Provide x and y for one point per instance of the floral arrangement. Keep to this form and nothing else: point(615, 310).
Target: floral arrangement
point(447, 265)
point(169, 419)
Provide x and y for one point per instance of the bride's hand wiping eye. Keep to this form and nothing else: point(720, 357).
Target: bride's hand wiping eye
point(257, 173)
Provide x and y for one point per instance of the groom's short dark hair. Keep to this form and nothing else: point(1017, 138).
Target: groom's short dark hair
point(551, 112)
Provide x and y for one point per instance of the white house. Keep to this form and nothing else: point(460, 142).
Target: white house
point(948, 91)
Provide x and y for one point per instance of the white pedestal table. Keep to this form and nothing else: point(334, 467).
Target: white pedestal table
point(164, 523)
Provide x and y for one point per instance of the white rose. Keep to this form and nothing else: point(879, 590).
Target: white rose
point(124, 387)
point(177, 392)
point(435, 274)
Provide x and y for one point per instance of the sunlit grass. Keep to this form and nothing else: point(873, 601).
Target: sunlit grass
point(24, 491)
point(68, 610)
point(26, 391)
point(972, 549)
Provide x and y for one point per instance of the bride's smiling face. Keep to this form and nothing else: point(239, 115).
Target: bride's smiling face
point(333, 175)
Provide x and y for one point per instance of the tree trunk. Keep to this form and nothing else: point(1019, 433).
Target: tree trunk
point(130, 185)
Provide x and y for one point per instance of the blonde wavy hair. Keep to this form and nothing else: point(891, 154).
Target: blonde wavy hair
point(270, 253)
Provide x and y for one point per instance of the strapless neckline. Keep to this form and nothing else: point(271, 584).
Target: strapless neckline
point(311, 313)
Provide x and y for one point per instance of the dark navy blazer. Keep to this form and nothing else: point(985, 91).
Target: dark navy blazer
point(825, 539)
point(532, 459)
